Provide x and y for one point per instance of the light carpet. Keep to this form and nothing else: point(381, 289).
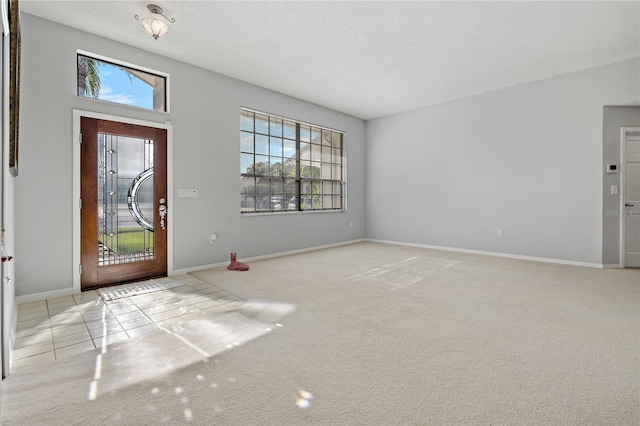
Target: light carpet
point(368, 334)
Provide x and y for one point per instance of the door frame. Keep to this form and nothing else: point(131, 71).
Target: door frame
point(623, 216)
point(77, 115)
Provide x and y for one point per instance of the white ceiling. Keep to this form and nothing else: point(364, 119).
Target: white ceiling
point(372, 58)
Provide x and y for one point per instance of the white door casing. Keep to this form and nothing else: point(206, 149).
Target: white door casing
point(630, 197)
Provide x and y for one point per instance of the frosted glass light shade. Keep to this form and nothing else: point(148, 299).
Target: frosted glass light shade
point(156, 28)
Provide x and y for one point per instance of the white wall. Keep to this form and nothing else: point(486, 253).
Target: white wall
point(526, 159)
point(205, 113)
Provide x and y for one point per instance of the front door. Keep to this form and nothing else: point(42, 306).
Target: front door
point(631, 199)
point(123, 172)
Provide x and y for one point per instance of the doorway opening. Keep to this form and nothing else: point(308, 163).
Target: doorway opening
point(630, 197)
point(123, 221)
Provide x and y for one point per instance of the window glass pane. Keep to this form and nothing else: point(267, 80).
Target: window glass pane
point(261, 166)
point(327, 202)
point(305, 169)
point(247, 194)
point(246, 121)
point(326, 154)
point(289, 130)
point(327, 187)
point(315, 135)
point(263, 194)
point(336, 139)
point(262, 144)
point(289, 169)
point(336, 157)
point(305, 151)
point(103, 80)
point(326, 171)
point(275, 146)
point(316, 202)
point(289, 149)
point(246, 142)
point(326, 137)
point(290, 188)
point(337, 202)
point(276, 166)
point(305, 133)
point(262, 124)
point(316, 152)
point(275, 127)
point(315, 170)
point(337, 173)
point(246, 163)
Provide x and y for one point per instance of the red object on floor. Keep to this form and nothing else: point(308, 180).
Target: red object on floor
point(237, 266)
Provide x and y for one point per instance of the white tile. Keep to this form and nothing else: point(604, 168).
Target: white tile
point(35, 304)
point(71, 339)
point(129, 316)
point(30, 331)
point(112, 338)
point(20, 364)
point(36, 323)
point(139, 331)
point(68, 330)
point(135, 323)
point(22, 309)
point(156, 309)
point(63, 310)
point(22, 342)
point(62, 300)
point(57, 322)
point(78, 348)
point(163, 316)
point(102, 330)
point(31, 350)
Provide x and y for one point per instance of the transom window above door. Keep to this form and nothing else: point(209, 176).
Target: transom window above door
point(114, 81)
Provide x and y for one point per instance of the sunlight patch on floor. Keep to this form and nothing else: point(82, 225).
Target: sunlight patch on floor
point(405, 272)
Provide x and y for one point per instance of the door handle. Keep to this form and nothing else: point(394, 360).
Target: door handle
point(162, 211)
point(628, 205)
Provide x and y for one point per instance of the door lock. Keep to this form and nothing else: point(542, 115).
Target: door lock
point(162, 211)
point(628, 205)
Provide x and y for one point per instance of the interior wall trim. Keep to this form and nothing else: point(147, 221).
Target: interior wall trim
point(492, 253)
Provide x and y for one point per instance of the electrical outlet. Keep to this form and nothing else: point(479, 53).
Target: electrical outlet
point(499, 232)
point(212, 239)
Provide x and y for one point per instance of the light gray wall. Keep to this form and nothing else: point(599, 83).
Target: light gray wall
point(526, 159)
point(205, 112)
point(615, 117)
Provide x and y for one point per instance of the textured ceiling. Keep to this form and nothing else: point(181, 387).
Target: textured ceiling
point(372, 58)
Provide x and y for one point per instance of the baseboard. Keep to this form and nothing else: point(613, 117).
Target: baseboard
point(492, 253)
point(266, 256)
point(45, 295)
point(612, 266)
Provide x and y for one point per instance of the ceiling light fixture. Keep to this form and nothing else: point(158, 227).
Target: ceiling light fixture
point(155, 26)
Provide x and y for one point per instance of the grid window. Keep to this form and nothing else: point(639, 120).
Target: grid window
point(288, 166)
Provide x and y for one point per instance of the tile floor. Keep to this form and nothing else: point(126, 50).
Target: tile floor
point(56, 328)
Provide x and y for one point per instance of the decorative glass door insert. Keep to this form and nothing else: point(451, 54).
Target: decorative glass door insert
point(125, 199)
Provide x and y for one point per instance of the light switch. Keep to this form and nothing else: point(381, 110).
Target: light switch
point(184, 192)
point(614, 189)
